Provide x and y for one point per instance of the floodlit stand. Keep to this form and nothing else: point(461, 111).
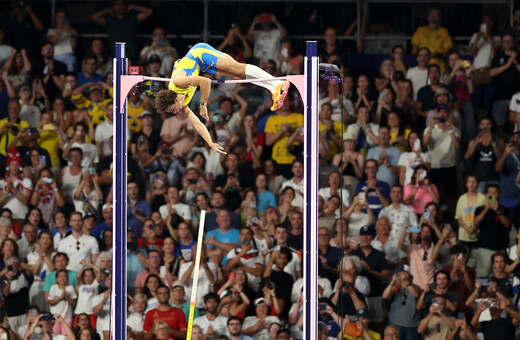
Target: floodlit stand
point(307, 85)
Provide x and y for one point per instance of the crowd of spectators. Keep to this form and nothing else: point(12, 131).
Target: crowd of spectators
point(419, 175)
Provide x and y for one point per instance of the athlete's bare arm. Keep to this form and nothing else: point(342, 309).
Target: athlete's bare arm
point(183, 81)
point(202, 130)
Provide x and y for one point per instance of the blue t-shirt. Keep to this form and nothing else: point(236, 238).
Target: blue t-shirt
point(265, 200)
point(82, 79)
point(142, 208)
point(231, 236)
point(50, 279)
point(374, 203)
point(185, 251)
point(383, 173)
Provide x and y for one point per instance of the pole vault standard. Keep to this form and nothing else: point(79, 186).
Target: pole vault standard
point(307, 85)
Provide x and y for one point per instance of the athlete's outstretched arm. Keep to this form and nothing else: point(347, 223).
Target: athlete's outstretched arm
point(202, 130)
point(198, 81)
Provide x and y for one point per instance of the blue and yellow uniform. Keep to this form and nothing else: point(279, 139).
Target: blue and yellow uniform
point(201, 57)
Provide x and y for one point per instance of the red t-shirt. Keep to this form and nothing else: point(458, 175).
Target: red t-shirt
point(174, 317)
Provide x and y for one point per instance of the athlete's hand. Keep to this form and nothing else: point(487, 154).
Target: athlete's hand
point(218, 148)
point(203, 110)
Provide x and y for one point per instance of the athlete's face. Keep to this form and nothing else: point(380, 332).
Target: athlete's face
point(177, 107)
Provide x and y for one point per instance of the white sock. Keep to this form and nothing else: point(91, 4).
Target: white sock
point(255, 72)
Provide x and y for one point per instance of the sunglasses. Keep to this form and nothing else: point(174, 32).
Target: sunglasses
point(77, 245)
point(425, 256)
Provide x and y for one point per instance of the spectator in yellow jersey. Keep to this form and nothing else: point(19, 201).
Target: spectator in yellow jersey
point(434, 37)
point(278, 129)
point(95, 104)
point(136, 105)
point(11, 126)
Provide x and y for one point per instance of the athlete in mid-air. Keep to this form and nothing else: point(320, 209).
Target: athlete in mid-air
point(185, 80)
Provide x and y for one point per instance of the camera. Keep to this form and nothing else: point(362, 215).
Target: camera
point(270, 285)
point(345, 284)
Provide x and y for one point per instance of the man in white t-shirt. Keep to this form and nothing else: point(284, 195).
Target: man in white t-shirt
point(419, 74)
point(175, 206)
point(296, 183)
point(90, 153)
point(211, 323)
point(266, 41)
point(103, 133)
point(294, 267)
point(77, 245)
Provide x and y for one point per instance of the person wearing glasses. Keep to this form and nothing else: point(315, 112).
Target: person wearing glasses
point(391, 333)
point(234, 327)
point(402, 295)
point(78, 246)
point(422, 253)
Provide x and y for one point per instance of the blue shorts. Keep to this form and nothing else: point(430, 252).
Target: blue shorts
point(205, 56)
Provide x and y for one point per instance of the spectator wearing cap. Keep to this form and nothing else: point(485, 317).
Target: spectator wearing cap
point(77, 245)
point(90, 96)
point(443, 141)
point(258, 325)
point(375, 268)
point(11, 126)
point(440, 287)
point(376, 192)
point(387, 157)
point(138, 210)
point(153, 266)
point(179, 300)
point(426, 94)
point(211, 322)
point(147, 133)
point(15, 190)
point(443, 97)
point(402, 295)
point(399, 214)
point(436, 325)
point(160, 49)
point(89, 151)
point(106, 212)
point(173, 316)
point(359, 330)
point(165, 159)
point(422, 255)
point(462, 277)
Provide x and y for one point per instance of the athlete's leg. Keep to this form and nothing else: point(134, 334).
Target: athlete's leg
point(230, 66)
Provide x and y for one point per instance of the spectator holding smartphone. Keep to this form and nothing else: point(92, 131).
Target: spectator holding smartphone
point(465, 212)
point(420, 191)
point(436, 325)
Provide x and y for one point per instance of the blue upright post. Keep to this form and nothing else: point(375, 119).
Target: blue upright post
point(310, 260)
point(119, 173)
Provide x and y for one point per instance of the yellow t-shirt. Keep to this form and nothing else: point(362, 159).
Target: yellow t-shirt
point(394, 135)
point(7, 137)
point(280, 153)
point(50, 141)
point(134, 123)
point(339, 130)
point(96, 111)
point(466, 212)
point(183, 64)
point(438, 41)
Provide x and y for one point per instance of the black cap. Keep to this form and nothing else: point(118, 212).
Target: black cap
point(367, 230)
